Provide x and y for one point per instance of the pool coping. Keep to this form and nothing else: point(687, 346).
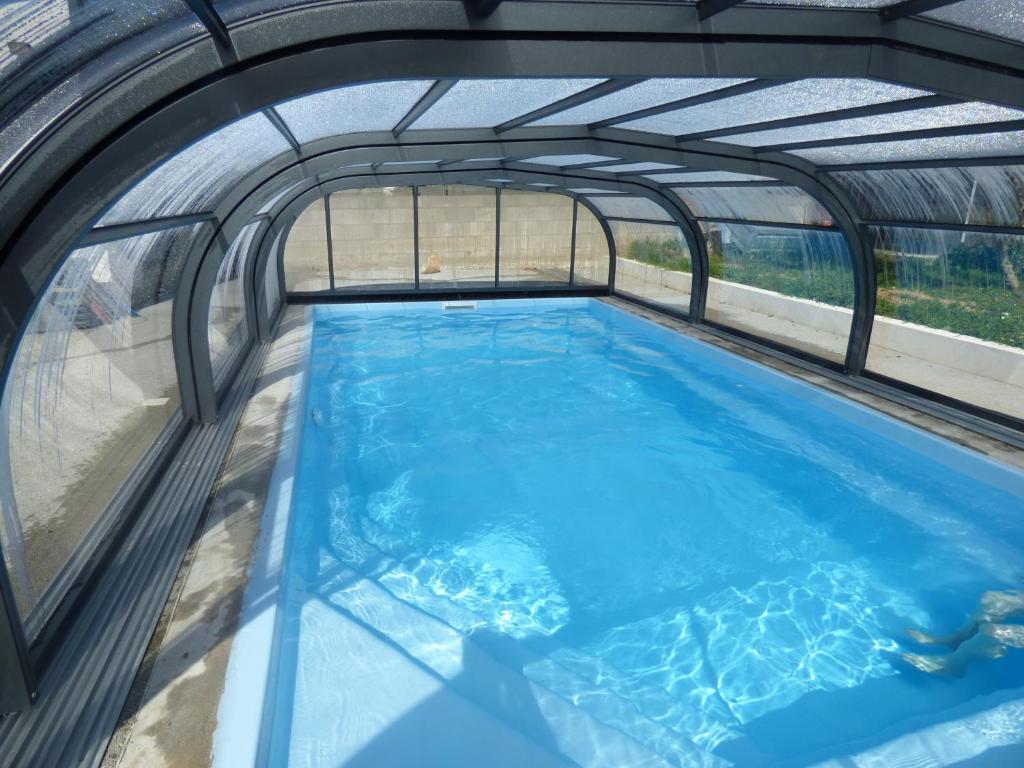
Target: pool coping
point(248, 681)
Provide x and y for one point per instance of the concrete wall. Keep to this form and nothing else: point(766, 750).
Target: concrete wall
point(372, 238)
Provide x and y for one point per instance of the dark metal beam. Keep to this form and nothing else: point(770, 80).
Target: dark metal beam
point(691, 101)
point(594, 92)
point(708, 8)
point(984, 229)
point(871, 110)
point(881, 138)
point(765, 223)
point(912, 8)
point(962, 162)
point(481, 9)
point(210, 18)
point(282, 127)
point(429, 99)
point(110, 232)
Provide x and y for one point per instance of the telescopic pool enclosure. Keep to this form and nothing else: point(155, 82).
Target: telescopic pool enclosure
point(840, 184)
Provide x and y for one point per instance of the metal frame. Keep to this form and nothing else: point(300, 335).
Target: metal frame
point(60, 182)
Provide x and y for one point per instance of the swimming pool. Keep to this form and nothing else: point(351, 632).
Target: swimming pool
point(555, 533)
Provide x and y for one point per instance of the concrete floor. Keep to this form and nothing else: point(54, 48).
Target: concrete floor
point(171, 715)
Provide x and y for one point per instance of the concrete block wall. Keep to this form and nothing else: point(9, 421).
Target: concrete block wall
point(305, 252)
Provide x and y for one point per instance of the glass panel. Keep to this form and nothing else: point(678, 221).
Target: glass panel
point(913, 120)
point(275, 199)
point(652, 261)
point(791, 286)
point(487, 103)
point(788, 205)
point(979, 145)
point(971, 195)
point(197, 177)
point(638, 167)
point(595, 191)
point(228, 331)
point(630, 208)
point(372, 237)
point(305, 252)
point(536, 238)
point(650, 93)
point(92, 386)
point(457, 236)
point(352, 109)
point(701, 177)
point(272, 283)
point(591, 250)
point(564, 160)
point(1003, 18)
point(43, 43)
point(804, 97)
point(950, 315)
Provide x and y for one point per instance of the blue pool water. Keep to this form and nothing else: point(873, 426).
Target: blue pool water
point(555, 533)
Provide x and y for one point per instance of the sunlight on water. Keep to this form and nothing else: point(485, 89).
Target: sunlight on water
point(655, 549)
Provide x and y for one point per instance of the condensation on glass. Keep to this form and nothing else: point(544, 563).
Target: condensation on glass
point(950, 314)
point(649, 93)
point(487, 103)
point(536, 238)
point(198, 176)
point(92, 387)
point(228, 330)
point(802, 97)
point(305, 252)
point(372, 239)
point(351, 109)
point(792, 286)
point(592, 257)
point(652, 262)
point(457, 236)
point(787, 205)
point(968, 113)
point(951, 195)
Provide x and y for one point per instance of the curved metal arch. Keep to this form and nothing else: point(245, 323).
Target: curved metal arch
point(134, 132)
point(325, 155)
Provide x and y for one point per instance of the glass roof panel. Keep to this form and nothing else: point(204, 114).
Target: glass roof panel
point(194, 179)
point(487, 103)
point(971, 195)
point(980, 145)
point(788, 205)
point(803, 97)
point(917, 119)
point(594, 191)
point(638, 167)
point(352, 109)
point(650, 93)
point(564, 160)
point(700, 177)
point(630, 208)
point(1003, 18)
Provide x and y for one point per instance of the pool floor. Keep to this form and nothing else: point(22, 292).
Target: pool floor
point(553, 533)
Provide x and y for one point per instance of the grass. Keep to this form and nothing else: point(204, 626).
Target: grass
point(975, 290)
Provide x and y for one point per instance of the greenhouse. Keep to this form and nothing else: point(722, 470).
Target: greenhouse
point(529, 382)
